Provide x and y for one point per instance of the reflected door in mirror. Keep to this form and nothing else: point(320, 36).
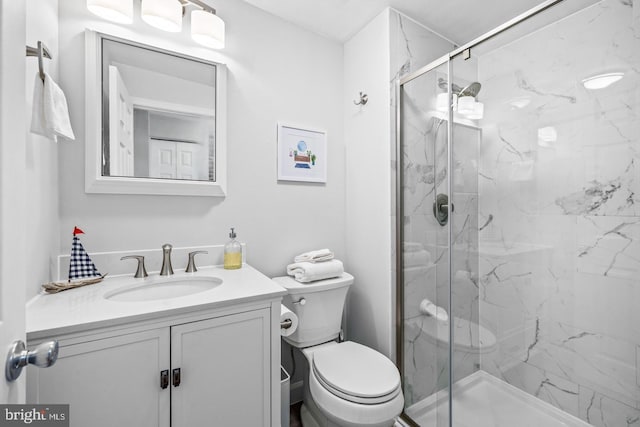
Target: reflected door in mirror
point(159, 114)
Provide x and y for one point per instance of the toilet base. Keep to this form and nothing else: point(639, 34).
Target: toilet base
point(307, 419)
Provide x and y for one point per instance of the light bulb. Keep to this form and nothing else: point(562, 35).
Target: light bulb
point(207, 29)
point(478, 111)
point(163, 14)
point(466, 104)
point(442, 102)
point(120, 11)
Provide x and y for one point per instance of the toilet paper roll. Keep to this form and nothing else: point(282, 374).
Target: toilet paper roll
point(287, 316)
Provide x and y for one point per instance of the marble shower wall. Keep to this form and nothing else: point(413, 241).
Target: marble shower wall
point(559, 214)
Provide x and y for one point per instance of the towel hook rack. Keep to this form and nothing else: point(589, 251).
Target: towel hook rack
point(40, 51)
point(363, 99)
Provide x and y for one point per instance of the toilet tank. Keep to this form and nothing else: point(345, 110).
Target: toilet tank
point(318, 305)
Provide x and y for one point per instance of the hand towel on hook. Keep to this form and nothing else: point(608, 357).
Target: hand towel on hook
point(50, 114)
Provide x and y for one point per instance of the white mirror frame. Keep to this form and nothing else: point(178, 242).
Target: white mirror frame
point(96, 183)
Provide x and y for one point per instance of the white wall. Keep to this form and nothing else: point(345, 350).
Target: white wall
point(367, 130)
point(390, 46)
point(41, 175)
point(276, 72)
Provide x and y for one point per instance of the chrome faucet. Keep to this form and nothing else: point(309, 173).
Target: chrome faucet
point(166, 269)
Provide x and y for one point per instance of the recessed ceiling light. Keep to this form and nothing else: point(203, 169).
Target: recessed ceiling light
point(601, 81)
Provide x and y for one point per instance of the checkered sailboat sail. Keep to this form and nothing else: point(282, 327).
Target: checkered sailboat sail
point(80, 265)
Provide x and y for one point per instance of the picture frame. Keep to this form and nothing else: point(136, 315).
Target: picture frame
point(302, 154)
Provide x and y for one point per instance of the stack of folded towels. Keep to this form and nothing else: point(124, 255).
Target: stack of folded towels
point(315, 265)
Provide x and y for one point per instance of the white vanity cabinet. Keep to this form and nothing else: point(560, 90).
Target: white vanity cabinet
point(209, 369)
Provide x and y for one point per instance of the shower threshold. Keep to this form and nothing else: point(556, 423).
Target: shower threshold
point(482, 400)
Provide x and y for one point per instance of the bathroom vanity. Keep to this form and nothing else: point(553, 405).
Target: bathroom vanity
point(139, 352)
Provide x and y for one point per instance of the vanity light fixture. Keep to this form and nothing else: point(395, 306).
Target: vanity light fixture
point(207, 28)
point(165, 15)
point(120, 11)
point(442, 102)
point(478, 111)
point(600, 81)
point(466, 105)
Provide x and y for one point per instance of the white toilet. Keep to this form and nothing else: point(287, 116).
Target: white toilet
point(346, 384)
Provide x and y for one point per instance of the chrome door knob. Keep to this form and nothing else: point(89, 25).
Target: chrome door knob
point(42, 356)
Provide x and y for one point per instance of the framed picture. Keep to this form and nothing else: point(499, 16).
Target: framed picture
point(302, 154)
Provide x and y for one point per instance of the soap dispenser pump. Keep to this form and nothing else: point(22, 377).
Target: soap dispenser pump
point(232, 253)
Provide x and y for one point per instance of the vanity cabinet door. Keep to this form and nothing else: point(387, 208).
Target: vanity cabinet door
point(109, 382)
point(225, 371)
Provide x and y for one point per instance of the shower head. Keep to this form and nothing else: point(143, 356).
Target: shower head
point(471, 89)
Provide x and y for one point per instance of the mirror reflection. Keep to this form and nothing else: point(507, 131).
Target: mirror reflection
point(158, 114)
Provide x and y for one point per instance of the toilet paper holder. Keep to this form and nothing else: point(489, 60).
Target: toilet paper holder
point(286, 324)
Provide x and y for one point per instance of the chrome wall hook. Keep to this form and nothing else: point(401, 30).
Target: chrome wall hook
point(363, 99)
point(40, 52)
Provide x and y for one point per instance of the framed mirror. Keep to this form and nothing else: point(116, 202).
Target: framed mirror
point(155, 120)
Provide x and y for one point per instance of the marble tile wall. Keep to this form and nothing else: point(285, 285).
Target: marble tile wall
point(559, 214)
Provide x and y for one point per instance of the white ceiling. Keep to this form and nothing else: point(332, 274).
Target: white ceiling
point(458, 20)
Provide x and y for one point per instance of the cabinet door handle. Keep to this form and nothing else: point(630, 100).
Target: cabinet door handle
point(164, 379)
point(176, 377)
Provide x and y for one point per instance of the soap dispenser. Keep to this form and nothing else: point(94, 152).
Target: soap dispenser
point(232, 253)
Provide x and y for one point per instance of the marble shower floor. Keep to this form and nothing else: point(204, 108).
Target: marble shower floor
point(481, 400)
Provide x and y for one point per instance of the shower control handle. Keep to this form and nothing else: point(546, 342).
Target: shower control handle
point(441, 209)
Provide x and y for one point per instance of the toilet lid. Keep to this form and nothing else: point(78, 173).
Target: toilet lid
point(353, 370)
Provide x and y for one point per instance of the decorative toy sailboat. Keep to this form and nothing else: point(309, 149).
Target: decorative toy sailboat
point(82, 270)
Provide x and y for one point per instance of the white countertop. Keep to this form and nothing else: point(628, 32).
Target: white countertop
point(86, 308)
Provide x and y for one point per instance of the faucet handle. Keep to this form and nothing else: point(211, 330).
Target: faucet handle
point(191, 265)
point(141, 271)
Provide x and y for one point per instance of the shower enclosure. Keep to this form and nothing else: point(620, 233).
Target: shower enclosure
point(519, 224)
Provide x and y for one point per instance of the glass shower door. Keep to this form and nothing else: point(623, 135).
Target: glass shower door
point(424, 130)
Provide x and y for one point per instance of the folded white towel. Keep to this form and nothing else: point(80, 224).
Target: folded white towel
point(50, 116)
point(305, 272)
point(319, 255)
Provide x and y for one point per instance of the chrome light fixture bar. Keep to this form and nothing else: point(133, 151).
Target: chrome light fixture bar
point(207, 28)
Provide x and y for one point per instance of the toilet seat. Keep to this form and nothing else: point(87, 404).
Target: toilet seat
point(356, 373)
point(338, 402)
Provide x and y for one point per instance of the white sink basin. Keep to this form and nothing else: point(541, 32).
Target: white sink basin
point(172, 287)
